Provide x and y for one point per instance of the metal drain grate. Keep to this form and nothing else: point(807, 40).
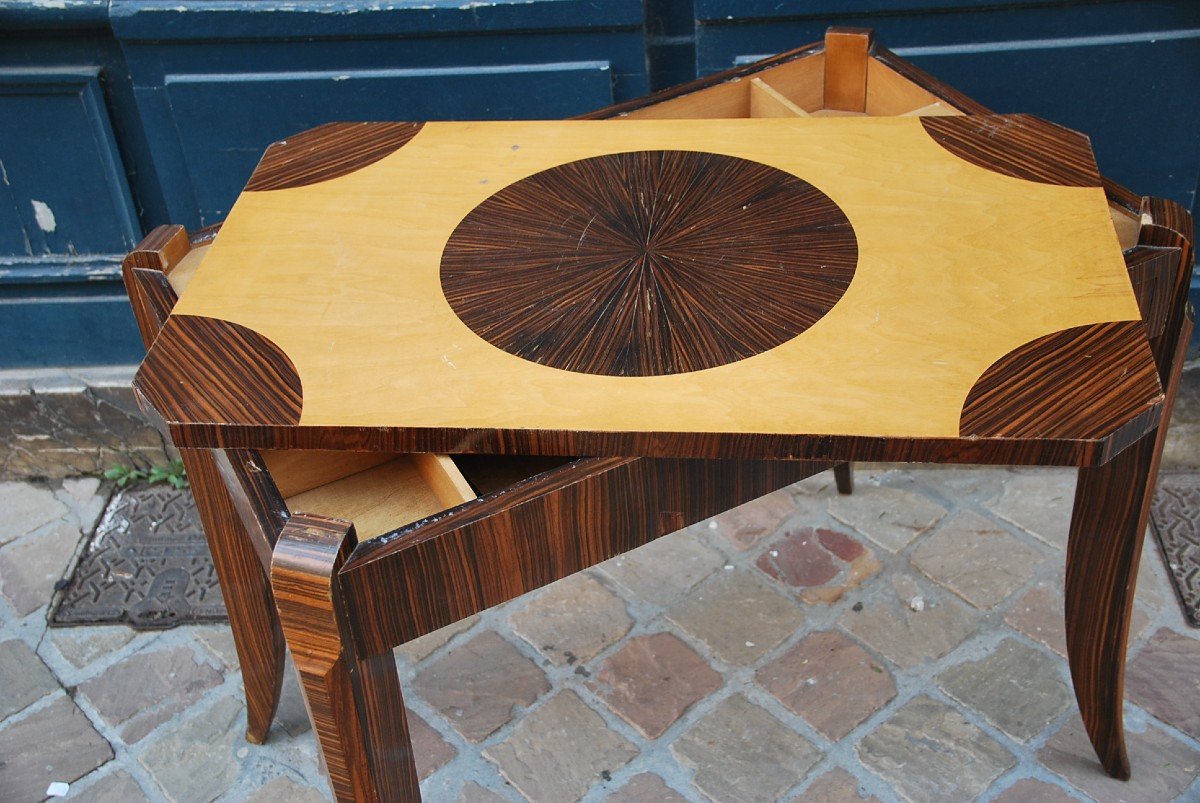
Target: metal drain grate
point(1176, 525)
point(147, 566)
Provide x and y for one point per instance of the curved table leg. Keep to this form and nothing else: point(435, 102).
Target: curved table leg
point(1108, 526)
point(247, 592)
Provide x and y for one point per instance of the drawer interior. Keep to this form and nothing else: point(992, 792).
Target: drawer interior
point(381, 492)
point(797, 89)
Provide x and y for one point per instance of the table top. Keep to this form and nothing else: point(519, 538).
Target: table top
point(849, 288)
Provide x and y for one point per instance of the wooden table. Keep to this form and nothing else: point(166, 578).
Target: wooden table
point(944, 289)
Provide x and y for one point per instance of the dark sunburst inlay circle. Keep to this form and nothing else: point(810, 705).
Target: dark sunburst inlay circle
point(648, 263)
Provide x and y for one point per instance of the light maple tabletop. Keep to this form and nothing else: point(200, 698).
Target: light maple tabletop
point(851, 288)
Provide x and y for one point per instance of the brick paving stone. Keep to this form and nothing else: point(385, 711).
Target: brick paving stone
point(25, 678)
point(1164, 679)
point(1039, 503)
point(740, 752)
point(1019, 689)
point(572, 620)
point(906, 636)
point(83, 645)
point(1163, 767)
point(479, 685)
point(928, 751)
point(56, 743)
point(194, 762)
point(419, 649)
point(284, 790)
point(1031, 790)
point(737, 616)
point(746, 525)
point(645, 788)
point(822, 564)
point(26, 507)
point(836, 786)
point(977, 560)
point(663, 570)
point(560, 750)
point(430, 751)
point(888, 516)
point(148, 688)
point(830, 681)
point(652, 680)
point(30, 566)
point(119, 787)
point(474, 793)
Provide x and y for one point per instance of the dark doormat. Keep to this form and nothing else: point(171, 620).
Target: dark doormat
point(1176, 525)
point(146, 566)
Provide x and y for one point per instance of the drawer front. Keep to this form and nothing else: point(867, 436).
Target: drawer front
point(515, 540)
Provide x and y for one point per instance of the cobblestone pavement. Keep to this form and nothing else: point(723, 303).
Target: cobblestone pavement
point(902, 643)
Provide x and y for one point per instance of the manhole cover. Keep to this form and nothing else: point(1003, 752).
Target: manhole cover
point(1176, 525)
point(147, 566)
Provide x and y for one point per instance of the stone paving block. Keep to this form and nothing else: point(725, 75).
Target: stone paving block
point(194, 762)
point(430, 751)
point(664, 569)
point(645, 788)
point(740, 752)
point(836, 786)
point(1039, 614)
point(829, 681)
point(292, 715)
point(1019, 689)
point(1039, 502)
point(821, 564)
point(474, 793)
point(30, 566)
point(479, 685)
point(56, 743)
point(284, 790)
point(119, 787)
point(1163, 767)
point(977, 560)
point(572, 620)
point(737, 616)
point(146, 689)
point(746, 525)
point(955, 483)
point(83, 645)
point(219, 641)
point(1031, 790)
point(1150, 591)
point(928, 751)
point(559, 751)
point(894, 626)
point(81, 495)
point(652, 680)
point(419, 649)
point(890, 517)
point(1164, 679)
point(26, 507)
point(24, 679)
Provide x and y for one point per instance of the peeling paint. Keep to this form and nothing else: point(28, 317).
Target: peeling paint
point(44, 215)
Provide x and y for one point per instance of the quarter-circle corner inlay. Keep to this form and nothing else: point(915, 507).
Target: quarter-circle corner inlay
point(647, 263)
